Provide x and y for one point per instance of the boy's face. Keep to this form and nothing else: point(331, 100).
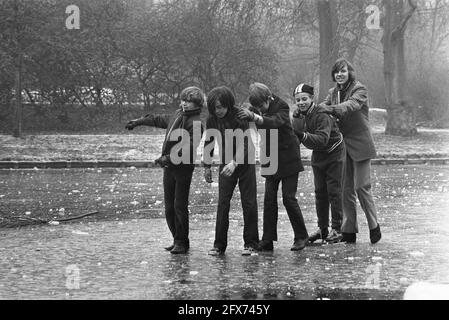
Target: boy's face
point(220, 110)
point(342, 75)
point(263, 107)
point(303, 101)
point(188, 106)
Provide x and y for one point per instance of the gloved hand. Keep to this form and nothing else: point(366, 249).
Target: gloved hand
point(208, 175)
point(132, 124)
point(163, 161)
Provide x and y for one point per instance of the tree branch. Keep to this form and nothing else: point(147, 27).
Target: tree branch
point(401, 27)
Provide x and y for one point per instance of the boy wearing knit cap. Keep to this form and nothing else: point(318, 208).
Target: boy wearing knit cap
point(318, 131)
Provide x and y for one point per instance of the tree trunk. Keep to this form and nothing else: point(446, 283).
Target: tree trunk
point(329, 46)
point(18, 113)
point(98, 99)
point(147, 102)
point(401, 116)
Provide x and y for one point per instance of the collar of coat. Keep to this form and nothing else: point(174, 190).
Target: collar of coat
point(311, 109)
point(347, 86)
point(273, 100)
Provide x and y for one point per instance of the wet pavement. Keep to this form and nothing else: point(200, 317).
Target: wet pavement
point(125, 259)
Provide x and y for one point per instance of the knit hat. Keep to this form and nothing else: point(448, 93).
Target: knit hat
point(303, 88)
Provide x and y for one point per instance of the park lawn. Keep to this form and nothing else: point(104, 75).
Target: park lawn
point(135, 146)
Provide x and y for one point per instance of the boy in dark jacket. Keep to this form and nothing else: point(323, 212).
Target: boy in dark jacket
point(272, 113)
point(319, 132)
point(235, 167)
point(177, 176)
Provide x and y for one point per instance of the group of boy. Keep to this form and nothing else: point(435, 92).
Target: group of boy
point(311, 125)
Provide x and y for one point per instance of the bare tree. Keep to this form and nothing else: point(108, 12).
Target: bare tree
point(401, 118)
point(329, 46)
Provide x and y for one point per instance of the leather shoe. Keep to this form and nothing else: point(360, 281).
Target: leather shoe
point(375, 234)
point(348, 237)
point(169, 248)
point(265, 245)
point(299, 244)
point(178, 249)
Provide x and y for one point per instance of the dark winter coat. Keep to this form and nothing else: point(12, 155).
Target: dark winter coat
point(230, 121)
point(169, 121)
point(321, 130)
point(289, 156)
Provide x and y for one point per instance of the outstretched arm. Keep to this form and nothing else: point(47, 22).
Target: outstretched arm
point(158, 121)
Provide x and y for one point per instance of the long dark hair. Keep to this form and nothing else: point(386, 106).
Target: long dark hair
point(340, 64)
point(222, 94)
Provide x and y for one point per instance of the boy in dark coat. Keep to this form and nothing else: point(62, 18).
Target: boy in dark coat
point(177, 176)
point(271, 112)
point(319, 132)
point(235, 167)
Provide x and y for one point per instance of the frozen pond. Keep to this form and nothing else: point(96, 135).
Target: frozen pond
point(125, 259)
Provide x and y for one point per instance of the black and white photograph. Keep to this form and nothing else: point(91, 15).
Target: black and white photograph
point(224, 156)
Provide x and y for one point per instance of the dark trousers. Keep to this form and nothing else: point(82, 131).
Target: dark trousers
point(328, 172)
point(270, 210)
point(176, 195)
point(245, 176)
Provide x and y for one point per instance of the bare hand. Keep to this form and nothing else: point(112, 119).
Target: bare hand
point(297, 113)
point(324, 108)
point(131, 124)
point(229, 169)
point(245, 114)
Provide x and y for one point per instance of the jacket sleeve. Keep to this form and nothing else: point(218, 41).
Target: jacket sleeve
point(276, 120)
point(159, 121)
point(299, 125)
point(358, 98)
point(328, 98)
point(320, 138)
